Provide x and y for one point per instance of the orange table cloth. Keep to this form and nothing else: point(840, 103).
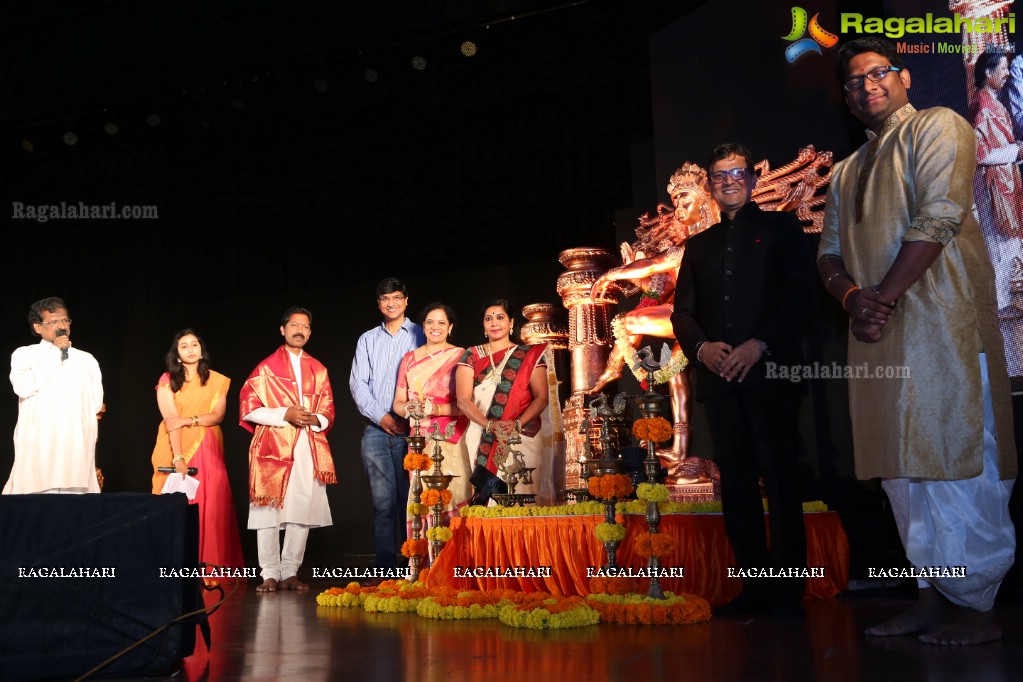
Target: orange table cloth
point(568, 546)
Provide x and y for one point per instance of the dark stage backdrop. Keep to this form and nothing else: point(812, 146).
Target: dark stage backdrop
point(465, 179)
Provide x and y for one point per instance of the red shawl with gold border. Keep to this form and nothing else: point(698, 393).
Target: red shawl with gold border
point(271, 454)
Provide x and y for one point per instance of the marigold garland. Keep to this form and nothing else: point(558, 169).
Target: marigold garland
point(538, 610)
point(709, 507)
point(414, 461)
point(551, 614)
point(652, 492)
point(352, 595)
point(439, 533)
point(615, 585)
point(417, 509)
point(590, 508)
point(683, 609)
point(654, 544)
point(432, 497)
point(469, 605)
point(396, 596)
point(655, 429)
point(594, 508)
point(610, 486)
point(609, 532)
point(412, 547)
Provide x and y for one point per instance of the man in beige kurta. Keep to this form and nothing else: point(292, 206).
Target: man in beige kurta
point(932, 416)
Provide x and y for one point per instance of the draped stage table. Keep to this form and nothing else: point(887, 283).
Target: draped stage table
point(567, 545)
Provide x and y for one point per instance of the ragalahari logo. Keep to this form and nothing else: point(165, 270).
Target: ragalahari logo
point(801, 46)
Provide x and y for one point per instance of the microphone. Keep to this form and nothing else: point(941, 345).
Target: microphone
point(63, 351)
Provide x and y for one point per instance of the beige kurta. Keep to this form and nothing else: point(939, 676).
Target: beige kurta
point(921, 189)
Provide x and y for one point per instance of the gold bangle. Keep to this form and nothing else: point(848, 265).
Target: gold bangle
point(195, 420)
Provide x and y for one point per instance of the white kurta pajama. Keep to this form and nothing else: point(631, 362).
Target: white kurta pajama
point(55, 438)
point(305, 502)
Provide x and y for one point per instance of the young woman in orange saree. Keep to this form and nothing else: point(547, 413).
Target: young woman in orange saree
point(192, 400)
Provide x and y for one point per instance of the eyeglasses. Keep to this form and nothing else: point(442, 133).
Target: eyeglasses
point(393, 298)
point(736, 174)
point(298, 325)
point(875, 75)
point(56, 323)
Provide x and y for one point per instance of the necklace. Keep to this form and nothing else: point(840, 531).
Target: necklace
point(493, 378)
point(430, 355)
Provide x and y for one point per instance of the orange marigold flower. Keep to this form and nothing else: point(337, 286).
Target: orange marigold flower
point(410, 548)
point(656, 429)
point(610, 486)
point(415, 461)
point(654, 544)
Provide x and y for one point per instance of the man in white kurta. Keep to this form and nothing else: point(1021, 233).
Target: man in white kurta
point(287, 402)
point(902, 253)
point(60, 392)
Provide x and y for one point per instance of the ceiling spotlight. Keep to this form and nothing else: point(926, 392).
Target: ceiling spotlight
point(70, 139)
point(469, 48)
point(27, 145)
point(111, 129)
point(371, 75)
point(320, 85)
point(152, 120)
point(418, 63)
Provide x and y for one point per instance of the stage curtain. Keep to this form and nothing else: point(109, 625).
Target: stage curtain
point(568, 546)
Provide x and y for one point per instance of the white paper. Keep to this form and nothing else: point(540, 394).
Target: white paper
point(176, 484)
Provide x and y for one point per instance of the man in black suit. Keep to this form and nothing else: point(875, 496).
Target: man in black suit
point(744, 296)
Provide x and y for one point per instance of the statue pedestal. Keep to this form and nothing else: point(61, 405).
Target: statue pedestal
point(692, 492)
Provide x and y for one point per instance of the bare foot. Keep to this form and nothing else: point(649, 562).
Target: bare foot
point(930, 611)
point(293, 583)
point(269, 585)
point(970, 627)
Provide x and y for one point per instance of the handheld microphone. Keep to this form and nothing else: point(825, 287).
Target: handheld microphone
point(63, 351)
point(192, 471)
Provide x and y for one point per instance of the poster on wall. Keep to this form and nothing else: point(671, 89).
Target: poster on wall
point(968, 60)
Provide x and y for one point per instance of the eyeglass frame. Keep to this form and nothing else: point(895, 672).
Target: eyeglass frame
point(867, 76)
point(51, 323)
point(736, 174)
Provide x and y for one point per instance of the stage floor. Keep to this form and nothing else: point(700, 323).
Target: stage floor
point(287, 636)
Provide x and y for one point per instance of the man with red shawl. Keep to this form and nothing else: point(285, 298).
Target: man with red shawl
point(288, 405)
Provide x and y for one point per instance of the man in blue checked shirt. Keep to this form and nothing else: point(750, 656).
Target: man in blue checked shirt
point(373, 379)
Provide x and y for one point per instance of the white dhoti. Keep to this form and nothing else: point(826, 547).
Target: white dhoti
point(965, 523)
